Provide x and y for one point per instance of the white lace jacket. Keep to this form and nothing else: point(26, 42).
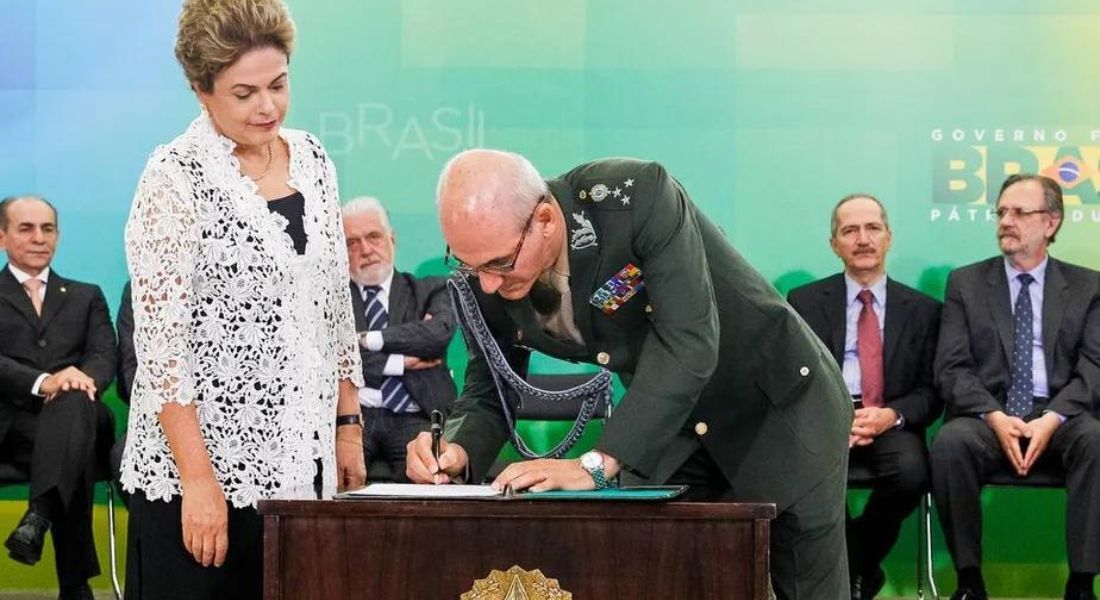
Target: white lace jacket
point(229, 317)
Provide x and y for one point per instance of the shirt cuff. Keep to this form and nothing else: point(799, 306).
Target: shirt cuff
point(373, 340)
point(38, 384)
point(1061, 418)
point(395, 366)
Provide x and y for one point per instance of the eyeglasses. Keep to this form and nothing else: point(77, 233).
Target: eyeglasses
point(1017, 213)
point(494, 266)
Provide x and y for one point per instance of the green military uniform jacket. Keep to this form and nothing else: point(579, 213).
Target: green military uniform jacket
point(709, 352)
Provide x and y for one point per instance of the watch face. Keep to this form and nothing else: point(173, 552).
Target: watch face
point(592, 460)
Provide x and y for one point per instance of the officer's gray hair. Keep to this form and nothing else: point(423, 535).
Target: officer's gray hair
point(365, 205)
point(526, 185)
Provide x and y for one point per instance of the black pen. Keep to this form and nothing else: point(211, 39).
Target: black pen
point(437, 436)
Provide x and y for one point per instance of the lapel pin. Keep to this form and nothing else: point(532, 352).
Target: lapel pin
point(63, 290)
point(598, 192)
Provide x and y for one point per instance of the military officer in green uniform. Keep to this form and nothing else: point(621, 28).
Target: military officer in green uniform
point(727, 388)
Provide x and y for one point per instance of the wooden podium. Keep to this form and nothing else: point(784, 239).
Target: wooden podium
point(439, 550)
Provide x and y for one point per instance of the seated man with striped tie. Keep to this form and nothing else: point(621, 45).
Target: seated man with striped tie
point(57, 355)
point(405, 325)
point(1018, 364)
point(882, 334)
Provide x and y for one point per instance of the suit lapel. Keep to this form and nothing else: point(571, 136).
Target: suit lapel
point(1055, 290)
point(16, 295)
point(835, 308)
point(584, 263)
point(57, 293)
point(897, 314)
point(998, 300)
point(357, 306)
point(400, 296)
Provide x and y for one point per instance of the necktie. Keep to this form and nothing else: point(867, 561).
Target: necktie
point(869, 348)
point(1020, 388)
point(394, 395)
point(33, 286)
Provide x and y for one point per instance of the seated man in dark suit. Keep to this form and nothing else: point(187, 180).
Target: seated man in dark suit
point(57, 356)
point(883, 335)
point(1018, 365)
point(127, 368)
point(406, 325)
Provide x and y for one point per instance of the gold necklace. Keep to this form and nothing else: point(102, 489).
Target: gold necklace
point(267, 167)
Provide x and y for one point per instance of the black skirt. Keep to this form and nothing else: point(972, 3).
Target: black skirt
point(159, 567)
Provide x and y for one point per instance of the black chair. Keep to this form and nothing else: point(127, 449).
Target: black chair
point(861, 477)
point(12, 475)
point(538, 409)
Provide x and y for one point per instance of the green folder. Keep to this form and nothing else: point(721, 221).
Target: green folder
point(644, 493)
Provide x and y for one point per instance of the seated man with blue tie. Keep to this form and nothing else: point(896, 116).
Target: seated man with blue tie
point(405, 325)
point(1018, 365)
point(57, 357)
point(882, 334)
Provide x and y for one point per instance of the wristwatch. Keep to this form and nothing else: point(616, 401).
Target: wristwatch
point(349, 420)
point(592, 462)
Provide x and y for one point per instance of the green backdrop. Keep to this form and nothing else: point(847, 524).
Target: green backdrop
point(767, 112)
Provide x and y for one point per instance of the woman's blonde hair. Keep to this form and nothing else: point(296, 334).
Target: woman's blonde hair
point(213, 34)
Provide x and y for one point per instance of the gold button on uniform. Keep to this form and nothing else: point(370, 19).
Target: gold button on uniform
point(804, 371)
point(603, 358)
point(700, 428)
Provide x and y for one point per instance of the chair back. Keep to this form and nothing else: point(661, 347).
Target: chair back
point(12, 475)
point(537, 409)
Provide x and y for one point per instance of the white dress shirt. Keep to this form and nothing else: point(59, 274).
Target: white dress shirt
point(854, 306)
point(375, 342)
point(1039, 386)
point(22, 278)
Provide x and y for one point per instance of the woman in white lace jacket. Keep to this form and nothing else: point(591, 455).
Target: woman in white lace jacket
point(245, 340)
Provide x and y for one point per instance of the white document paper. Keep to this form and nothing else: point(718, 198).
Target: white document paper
point(415, 490)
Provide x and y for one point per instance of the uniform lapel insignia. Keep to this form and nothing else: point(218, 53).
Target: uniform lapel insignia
point(63, 290)
point(625, 200)
point(628, 183)
point(598, 192)
point(585, 235)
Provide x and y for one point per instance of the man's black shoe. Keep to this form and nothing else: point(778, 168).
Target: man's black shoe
point(76, 592)
point(25, 543)
point(864, 587)
point(969, 594)
point(1080, 595)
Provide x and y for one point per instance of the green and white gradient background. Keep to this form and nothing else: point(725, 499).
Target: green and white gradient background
point(767, 112)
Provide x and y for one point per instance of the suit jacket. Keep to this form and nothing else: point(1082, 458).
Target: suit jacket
point(709, 352)
point(909, 341)
point(127, 356)
point(73, 330)
point(408, 333)
point(972, 359)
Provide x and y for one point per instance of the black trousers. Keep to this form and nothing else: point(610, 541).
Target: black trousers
point(808, 558)
point(385, 435)
point(159, 567)
point(966, 453)
point(899, 460)
point(60, 446)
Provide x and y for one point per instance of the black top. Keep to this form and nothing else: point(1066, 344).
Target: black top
point(293, 207)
